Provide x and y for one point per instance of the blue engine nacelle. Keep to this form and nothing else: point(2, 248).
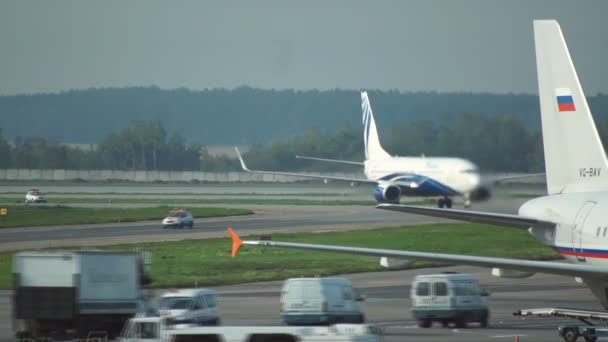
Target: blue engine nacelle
point(482, 193)
point(387, 193)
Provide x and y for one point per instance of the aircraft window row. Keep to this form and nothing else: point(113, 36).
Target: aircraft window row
point(599, 230)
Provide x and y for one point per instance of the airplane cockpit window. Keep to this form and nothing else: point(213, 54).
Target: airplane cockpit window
point(470, 171)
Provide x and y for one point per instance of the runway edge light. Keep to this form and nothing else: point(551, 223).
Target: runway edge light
point(237, 243)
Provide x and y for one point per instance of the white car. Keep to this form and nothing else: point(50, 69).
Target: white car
point(35, 196)
point(190, 307)
point(178, 218)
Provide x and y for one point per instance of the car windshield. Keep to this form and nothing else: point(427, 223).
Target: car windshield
point(176, 303)
point(177, 213)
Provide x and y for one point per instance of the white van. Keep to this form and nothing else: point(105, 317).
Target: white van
point(320, 301)
point(190, 307)
point(448, 298)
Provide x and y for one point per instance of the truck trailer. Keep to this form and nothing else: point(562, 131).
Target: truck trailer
point(60, 293)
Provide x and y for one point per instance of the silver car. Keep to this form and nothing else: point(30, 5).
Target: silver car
point(35, 196)
point(178, 218)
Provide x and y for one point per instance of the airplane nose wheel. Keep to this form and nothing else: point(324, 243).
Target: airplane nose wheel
point(444, 202)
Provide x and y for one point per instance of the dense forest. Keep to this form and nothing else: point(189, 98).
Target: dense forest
point(245, 115)
point(152, 129)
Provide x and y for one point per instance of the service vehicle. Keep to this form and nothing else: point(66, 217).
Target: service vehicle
point(571, 332)
point(156, 329)
point(448, 298)
point(190, 306)
point(320, 301)
point(178, 218)
point(35, 196)
point(69, 294)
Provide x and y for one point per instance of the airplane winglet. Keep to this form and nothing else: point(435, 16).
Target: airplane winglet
point(237, 243)
point(243, 166)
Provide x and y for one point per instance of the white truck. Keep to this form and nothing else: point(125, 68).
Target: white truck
point(156, 329)
point(61, 293)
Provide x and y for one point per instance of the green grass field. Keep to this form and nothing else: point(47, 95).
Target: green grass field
point(25, 216)
point(208, 262)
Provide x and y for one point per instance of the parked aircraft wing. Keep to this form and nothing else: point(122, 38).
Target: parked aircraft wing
point(508, 220)
point(560, 268)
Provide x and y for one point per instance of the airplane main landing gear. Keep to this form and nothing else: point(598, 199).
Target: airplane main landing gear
point(444, 202)
point(467, 201)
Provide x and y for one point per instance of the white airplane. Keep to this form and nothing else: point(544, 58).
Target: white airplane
point(572, 218)
point(405, 176)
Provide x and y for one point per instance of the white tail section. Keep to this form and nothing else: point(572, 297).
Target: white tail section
point(575, 160)
point(373, 149)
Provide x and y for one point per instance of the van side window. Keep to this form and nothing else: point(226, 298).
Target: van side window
point(347, 293)
point(440, 289)
point(210, 299)
point(422, 289)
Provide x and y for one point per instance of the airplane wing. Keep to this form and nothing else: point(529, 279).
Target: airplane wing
point(502, 179)
point(560, 268)
point(507, 220)
point(295, 174)
point(332, 160)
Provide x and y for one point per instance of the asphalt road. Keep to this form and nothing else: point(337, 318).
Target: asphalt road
point(387, 305)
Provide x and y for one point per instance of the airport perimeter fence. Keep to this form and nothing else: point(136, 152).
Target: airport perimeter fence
point(186, 176)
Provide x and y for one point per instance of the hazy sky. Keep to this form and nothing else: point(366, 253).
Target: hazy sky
point(471, 45)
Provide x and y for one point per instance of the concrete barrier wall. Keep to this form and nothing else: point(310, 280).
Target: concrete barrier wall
point(190, 176)
point(150, 176)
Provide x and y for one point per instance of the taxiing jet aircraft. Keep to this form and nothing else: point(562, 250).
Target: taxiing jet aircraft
point(572, 217)
point(406, 176)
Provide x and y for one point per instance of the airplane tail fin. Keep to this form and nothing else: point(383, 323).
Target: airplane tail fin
point(575, 160)
point(373, 149)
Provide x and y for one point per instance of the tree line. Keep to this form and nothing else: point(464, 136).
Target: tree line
point(494, 143)
point(246, 115)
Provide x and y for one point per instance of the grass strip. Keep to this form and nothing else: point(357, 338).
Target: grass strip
point(212, 200)
point(25, 216)
point(208, 263)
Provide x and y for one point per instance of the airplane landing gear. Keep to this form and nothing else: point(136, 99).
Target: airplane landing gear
point(467, 200)
point(444, 202)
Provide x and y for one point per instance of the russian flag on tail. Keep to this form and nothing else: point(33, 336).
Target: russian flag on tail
point(565, 103)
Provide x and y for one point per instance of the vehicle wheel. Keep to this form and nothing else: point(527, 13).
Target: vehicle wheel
point(361, 319)
point(590, 338)
point(460, 322)
point(191, 225)
point(484, 321)
point(448, 203)
point(570, 335)
point(424, 323)
point(181, 225)
point(440, 203)
point(445, 324)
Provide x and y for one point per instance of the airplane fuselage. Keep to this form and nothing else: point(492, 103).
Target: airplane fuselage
point(581, 234)
point(459, 174)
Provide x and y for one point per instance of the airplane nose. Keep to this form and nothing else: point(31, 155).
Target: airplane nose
point(475, 180)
